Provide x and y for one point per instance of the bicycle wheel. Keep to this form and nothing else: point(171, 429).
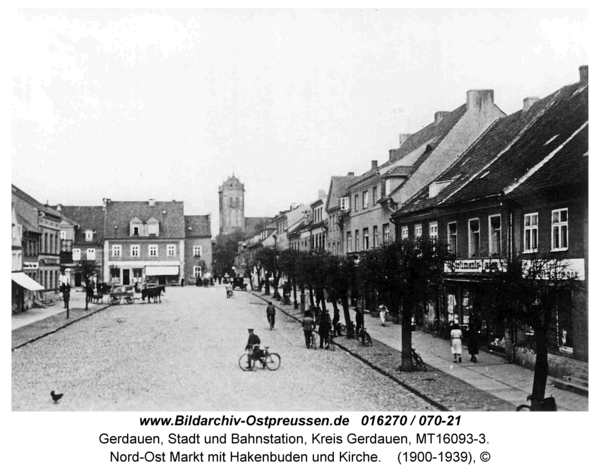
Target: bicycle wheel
point(273, 361)
point(129, 300)
point(244, 363)
point(419, 364)
point(524, 408)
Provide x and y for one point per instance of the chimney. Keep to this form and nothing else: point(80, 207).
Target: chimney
point(152, 202)
point(437, 118)
point(373, 164)
point(480, 98)
point(351, 174)
point(404, 137)
point(59, 207)
point(528, 102)
point(322, 194)
point(105, 203)
point(583, 74)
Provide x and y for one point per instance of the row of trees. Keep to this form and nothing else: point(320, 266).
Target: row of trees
point(405, 275)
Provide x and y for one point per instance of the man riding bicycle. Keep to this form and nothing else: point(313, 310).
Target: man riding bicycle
point(253, 348)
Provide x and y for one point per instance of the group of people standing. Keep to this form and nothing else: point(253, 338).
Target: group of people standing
point(456, 339)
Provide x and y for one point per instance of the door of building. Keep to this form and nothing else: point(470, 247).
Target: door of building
point(126, 276)
point(162, 280)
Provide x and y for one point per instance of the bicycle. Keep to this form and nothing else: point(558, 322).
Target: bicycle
point(418, 361)
point(547, 404)
point(364, 337)
point(268, 360)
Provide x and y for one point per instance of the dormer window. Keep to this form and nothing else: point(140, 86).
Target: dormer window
point(152, 227)
point(135, 226)
point(89, 235)
point(437, 187)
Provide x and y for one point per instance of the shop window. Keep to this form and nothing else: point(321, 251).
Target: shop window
point(560, 229)
point(452, 237)
point(495, 235)
point(474, 238)
point(137, 274)
point(530, 233)
point(564, 323)
point(115, 273)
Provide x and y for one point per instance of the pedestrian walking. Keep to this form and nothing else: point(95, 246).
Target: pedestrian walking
point(271, 315)
point(308, 326)
point(66, 294)
point(336, 322)
point(472, 345)
point(383, 311)
point(359, 319)
point(324, 331)
point(182, 282)
point(456, 343)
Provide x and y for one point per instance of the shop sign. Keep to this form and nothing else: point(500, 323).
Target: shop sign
point(477, 265)
point(31, 265)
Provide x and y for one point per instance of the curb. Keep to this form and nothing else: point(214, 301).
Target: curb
point(414, 391)
point(23, 344)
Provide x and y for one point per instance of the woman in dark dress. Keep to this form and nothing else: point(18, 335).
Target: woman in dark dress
point(472, 342)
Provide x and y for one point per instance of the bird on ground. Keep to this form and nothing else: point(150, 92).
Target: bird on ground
point(56, 396)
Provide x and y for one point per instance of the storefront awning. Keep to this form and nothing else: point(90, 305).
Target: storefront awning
point(26, 282)
point(162, 270)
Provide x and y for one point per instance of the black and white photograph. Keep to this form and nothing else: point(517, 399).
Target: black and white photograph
point(240, 214)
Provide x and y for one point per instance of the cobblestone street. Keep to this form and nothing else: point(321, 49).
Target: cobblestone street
point(183, 354)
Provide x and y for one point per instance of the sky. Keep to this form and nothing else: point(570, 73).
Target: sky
point(167, 104)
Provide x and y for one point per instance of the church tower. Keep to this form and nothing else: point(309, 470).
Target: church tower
point(231, 206)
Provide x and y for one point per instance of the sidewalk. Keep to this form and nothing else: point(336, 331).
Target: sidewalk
point(33, 315)
point(491, 374)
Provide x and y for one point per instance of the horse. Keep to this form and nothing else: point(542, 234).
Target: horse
point(153, 292)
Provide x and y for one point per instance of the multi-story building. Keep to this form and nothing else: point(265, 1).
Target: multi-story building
point(144, 241)
point(519, 190)
point(319, 223)
point(198, 247)
point(42, 237)
point(286, 221)
point(336, 205)
point(82, 238)
point(421, 157)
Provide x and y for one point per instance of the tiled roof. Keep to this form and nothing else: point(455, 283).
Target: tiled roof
point(337, 188)
point(169, 215)
point(28, 226)
point(494, 160)
point(566, 111)
point(197, 226)
point(88, 218)
point(569, 166)
point(19, 193)
point(399, 171)
point(433, 133)
point(253, 222)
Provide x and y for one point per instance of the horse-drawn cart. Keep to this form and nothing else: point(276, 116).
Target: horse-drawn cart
point(120, 293)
